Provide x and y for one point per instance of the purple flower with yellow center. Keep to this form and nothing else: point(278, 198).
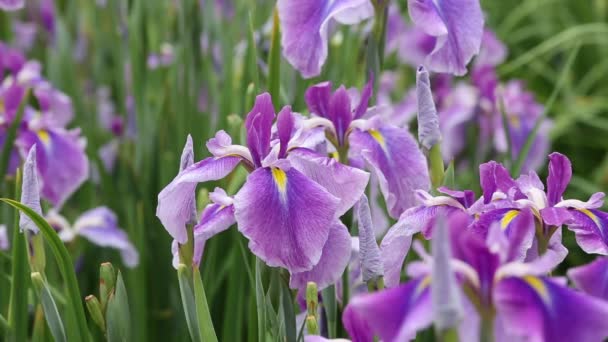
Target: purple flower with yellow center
point(457, 26)
point(100, 227)
point(289, 205)
point(61, 161)
point(389, 151)
point(500, 295)
point(305, 25)
point(11, 5)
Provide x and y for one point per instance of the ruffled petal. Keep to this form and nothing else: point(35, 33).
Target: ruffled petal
point(304, 25)
point(344, 182)
point(334, 258)
point(458, 26)
point(286, 217)
point(397, 161)
point(538, 309)
point(590, 227)
point(592, 278)
point(393, 315)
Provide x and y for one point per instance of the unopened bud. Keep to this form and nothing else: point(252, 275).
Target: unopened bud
point(312, 298)
point(94, 307)
point(107, 281)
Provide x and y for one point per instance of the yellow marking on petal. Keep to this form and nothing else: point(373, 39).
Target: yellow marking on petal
point(591, 215)
point(424, 283)
point(378, 137)
point(509, 216)
point(44, 137)
point(538, 285)
point(2, 106)
point(335, 155)
point(280, 178)
point(515, 121)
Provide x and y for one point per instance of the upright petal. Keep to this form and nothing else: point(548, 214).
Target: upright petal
point(100, 226)
point(428, 122)
point(286, 217)
point(259, 126)
point(494, 177)
point(345, 182)
point(285, 128)
point(397, 161)
point(340, 112)
point(317, 99)
point(334, 258)
point(393, 315)
point(304, 25)
point(369, 253)
point(592, 278)
point(538, 309)
point(175, 200)
point(458, 26)
point(11, 5)
point(30, 191)
point(560, 173)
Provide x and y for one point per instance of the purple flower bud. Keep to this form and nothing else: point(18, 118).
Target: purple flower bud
point(30, 191)
point(428, 122)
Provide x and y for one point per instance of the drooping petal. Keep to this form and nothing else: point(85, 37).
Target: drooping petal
point(493, 52)
point(215, 219)
point(393, 315)
point(259, 126)
point(397, 161)
point(334, 258)
point(590, 227)
point(286, 217)
point(428, 121)
point(30, 191)
point(304, 25)
point(369, 253)
point(539, 309)
point(592, 278)
point(175, 200)
point(344, 182)
point(11, 5)
point(560, 173)
point(100, 226)
point(458, 26)
point(62, 162)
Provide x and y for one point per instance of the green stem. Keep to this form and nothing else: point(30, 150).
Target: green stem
point(329, 302)
point(436, 166)
point(487, 328)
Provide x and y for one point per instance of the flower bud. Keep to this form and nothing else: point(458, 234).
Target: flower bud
point(94, 307)
point(107, 281)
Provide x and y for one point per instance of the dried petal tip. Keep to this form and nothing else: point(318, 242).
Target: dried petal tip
point(371, 263)
point(447, 306)
point(428, 122)
point(30, 191)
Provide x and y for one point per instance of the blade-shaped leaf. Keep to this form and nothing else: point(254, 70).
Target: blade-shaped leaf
point(118, 321)
point(188, 302)
point(51, 314)
point(205, 324)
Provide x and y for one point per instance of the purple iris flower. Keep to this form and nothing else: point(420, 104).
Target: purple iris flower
point(391, 152)
point(61, 161)
point(305, 25)
point(100, 227)
point(520, 300)
point(458, 27)
point(11, 5)
point(289, 205)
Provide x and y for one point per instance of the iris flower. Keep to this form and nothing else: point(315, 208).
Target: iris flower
point(290, 204)
point(509, 298)
point(11, 5)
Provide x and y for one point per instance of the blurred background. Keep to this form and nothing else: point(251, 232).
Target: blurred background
point(142, 74)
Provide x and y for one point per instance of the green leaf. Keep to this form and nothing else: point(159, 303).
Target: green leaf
point(329, 302)
point(260, 300)
point(118, 321)
point(205, 324)
point(51, 314)
point(448, 179)
point(17, 315)
point(288, 312)
point(188, 302)
point(274, 62)
point(74, 308)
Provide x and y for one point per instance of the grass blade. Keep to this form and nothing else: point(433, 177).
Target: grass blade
point(205, 324)
point(118, 318)
point(75, 308)
point(274, 62)
point(188, 302)
point(51, 314)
